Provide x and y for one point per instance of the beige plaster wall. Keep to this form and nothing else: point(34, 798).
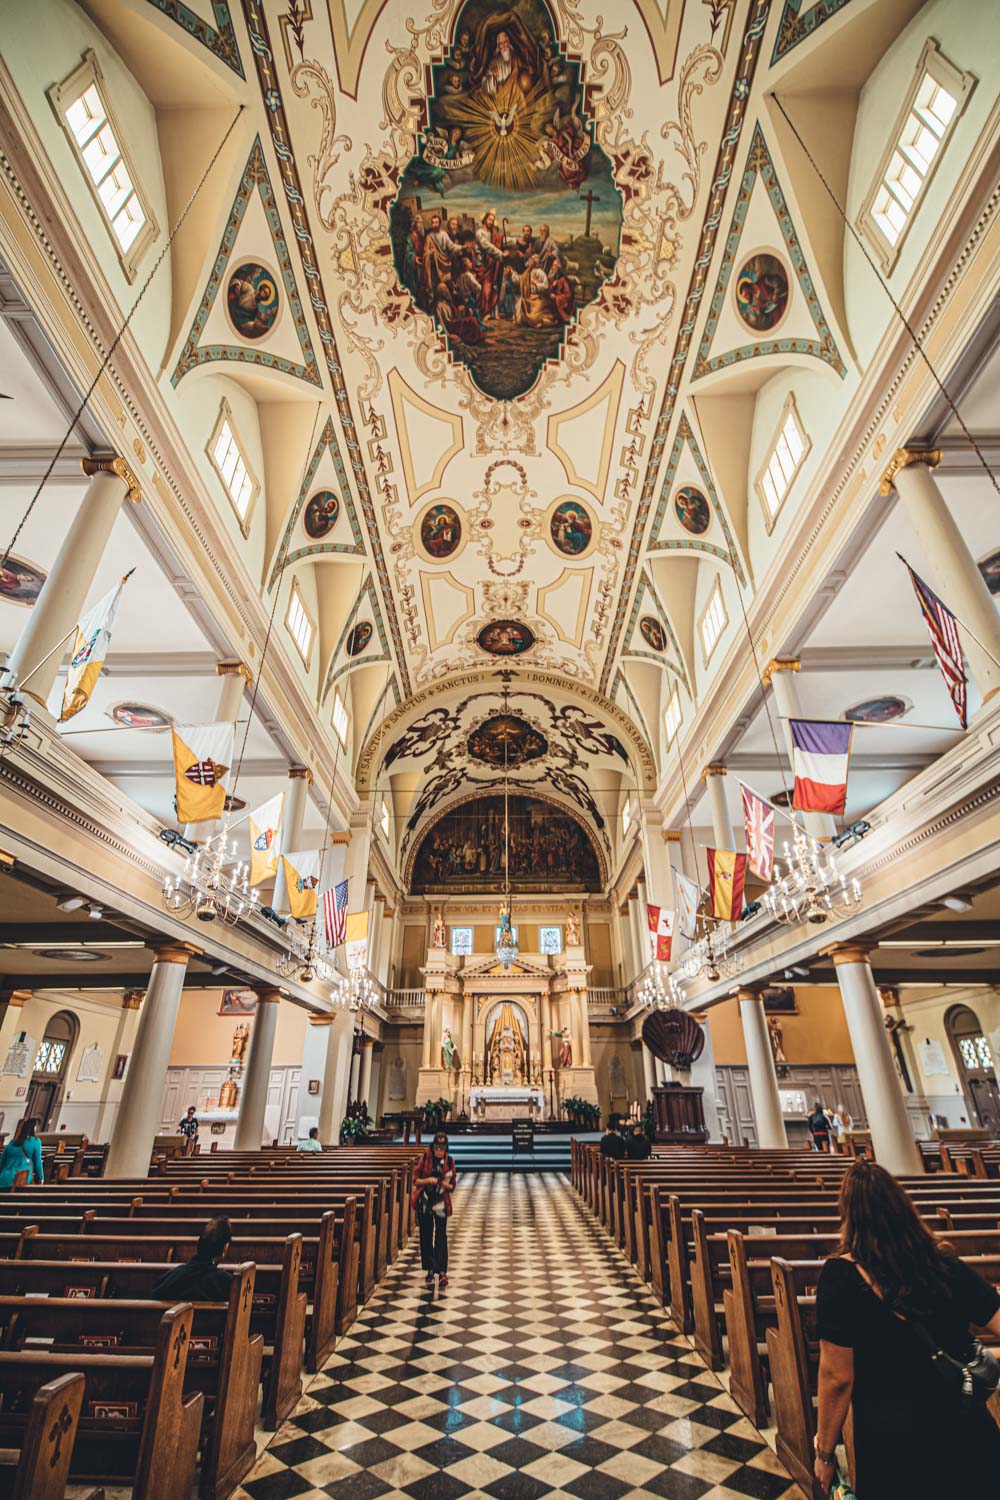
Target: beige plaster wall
point(203, 1037)
point(818, 1034)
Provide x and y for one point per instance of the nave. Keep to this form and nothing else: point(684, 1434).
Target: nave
point(546, 1368)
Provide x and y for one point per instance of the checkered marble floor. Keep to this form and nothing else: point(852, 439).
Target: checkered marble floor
point(545, 1368)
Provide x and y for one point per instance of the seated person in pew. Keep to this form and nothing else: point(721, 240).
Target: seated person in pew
point(611, 1141)
point(312, 1141)
point(894, 1310)
point(23, 1153)
point(637, 1147)
point(200, 1279)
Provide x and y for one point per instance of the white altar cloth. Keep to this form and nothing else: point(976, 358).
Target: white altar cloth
point(505, 1095)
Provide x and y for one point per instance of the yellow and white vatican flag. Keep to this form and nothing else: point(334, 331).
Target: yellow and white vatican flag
point(356, 942)
point(90, 648)
point(301, 881)
point(202, 756)
point(265, 833)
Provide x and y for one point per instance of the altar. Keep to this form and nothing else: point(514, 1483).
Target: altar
point(504, 1102)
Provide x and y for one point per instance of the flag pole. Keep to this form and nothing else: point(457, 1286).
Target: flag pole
point(39, 664)
point(875, 724)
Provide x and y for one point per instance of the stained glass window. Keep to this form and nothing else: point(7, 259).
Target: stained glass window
point(967, 1048)
point(461, 940)
point(976, 1053)
point(49, 1056)
point(550, 939)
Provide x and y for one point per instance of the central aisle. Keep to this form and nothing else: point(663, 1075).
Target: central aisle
point(545, 1368)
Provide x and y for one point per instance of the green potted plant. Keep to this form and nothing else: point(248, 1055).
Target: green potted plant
point(435, 1110)
point(353, 1130)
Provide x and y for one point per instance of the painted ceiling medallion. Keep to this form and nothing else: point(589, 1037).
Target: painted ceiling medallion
point(253, 300)
point(653, 633)
point(73, 955)
point(505, 638)
point(692, 510)
point(989, 566)
point(321, 514)
point(358, 639)
point(506, 740)
point(20, 581)
point(440, 532)
point(133, 715)
point(571, 528)
point(761, 292)
point(508, 220)
point(881, 710)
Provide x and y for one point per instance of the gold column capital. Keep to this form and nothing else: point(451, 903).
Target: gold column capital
point(132, 999)
point(169, 952)
point(780, 664)
point(320, 1018)
point(752, 991)
point(268, 994)
point(714, 768)
point(233, 669)
point(855, 952)
point(300, 773)
point(389, 913)
point(340, 840)
point(903, 458)
point(16, 998)
point(672, 835)
point(113, 463)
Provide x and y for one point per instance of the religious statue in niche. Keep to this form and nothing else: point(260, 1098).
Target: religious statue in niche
point(564, 1056)
point(572, 930)
point(508, 140)
point(616, 1077)
point(507, 1050)
point(241, 1041)
point(448, 1052)
point(439, 932)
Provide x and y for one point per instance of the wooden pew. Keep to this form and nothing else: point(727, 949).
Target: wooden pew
point(38, 1470)
point(137, 1427)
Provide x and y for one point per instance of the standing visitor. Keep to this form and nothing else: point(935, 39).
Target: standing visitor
point(841, 1122)
point(819, 1127)
point(894, 1309)
point(22, 1154)
point(188, 1128)
point(433, 1184)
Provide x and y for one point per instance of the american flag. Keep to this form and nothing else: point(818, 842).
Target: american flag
point(943, 629)
point(758, 820)
point(335, 914)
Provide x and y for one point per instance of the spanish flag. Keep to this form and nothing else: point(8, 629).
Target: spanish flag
point(726, 874)
point(356, 943)
point(265, 832)
point(90, 648)
point(201, 756)
point(301, 879)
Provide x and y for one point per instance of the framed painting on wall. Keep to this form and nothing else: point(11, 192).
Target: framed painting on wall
point(238, 1003)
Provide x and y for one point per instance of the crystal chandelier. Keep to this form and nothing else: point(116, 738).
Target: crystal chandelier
point(811, 888)
point(711, 957)
point(358, 990)
point(505, 947)
point(660, 989)
point(304, 959)
point(213, 884)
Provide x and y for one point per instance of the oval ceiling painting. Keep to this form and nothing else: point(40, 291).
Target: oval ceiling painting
point(505, 638)
point(506, 740)
point(253, 300)
point(20, 581)
point(507, 222)
point(761, 291)
point(989, 566)
point(653, 633)
point(692, 510)
point(138, 716)
point(359, 637)
point(440, 532)
point(321, 514)
point(571, 528)
point(880, 710)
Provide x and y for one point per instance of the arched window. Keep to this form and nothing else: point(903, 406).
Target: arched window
point(48, 1077)
point(975, 1066)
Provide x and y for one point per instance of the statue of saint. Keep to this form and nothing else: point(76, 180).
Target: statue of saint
point(241, 1041)
point(573, 930)
point(776, 1035)
point(439, 932)
point(565, 1040)
point(448, 1050)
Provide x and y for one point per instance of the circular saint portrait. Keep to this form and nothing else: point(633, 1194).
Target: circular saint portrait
point(692, 510)
point(571, 528)
point(440, 531)
point(652, 632)
point(359, 637)
point(761, 291)
point(138, 716)
point(989, 566)
point(20, 581)
point(321, 513)
point(880, 710)
point(505, 638)
point(506, 740)
point(253, 300)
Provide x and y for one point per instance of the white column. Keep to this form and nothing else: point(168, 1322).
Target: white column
point(722, 824)
point(57, 610)
point(648, 1070)
point(780, 673)
point(354, 1075)
point(124, 1038)
point(586, 1059)
point(892, 1136)
point(365, 1076)
point(236, 675)
point(139, 1112)
point(954, 573)
point(314, 1051)
point(704, 1076)
point(253, 1099)
point(468, 1006)
point(325, 1060)
point(293, 816)
point(425, 1060)
point(763, 1077)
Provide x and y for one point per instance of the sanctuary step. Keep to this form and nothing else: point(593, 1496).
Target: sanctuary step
point(495, 1153)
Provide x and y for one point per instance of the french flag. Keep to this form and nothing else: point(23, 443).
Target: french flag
point(820, 753)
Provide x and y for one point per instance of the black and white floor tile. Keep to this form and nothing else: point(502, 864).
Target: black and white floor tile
point(546, 1368)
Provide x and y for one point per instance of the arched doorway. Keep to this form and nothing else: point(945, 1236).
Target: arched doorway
point(975, 1067)
point(48, 1078)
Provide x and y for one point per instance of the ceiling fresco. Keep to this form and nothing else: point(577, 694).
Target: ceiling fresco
point(465, 850)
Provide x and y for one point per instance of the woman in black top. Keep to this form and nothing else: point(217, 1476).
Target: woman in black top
point(819, 1127)
point(913, 1434)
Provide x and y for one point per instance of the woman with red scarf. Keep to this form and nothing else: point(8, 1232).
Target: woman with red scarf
point(432, 1188)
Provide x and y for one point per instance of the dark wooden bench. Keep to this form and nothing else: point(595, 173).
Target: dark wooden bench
point(38, 1469)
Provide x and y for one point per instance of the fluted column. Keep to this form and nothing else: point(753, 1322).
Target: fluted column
point(63, 597)
point(722, 824)
point(892, 1135)
point(138, 1116)
point(253, 1098)
point(763, 1076)
point(292, 818)
point(780, 674)
point(954, 572)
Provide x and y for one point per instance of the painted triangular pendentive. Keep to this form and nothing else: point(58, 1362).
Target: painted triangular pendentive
point(219, 39)
point(649, 633)
point(626, 700)
point(323, 518)
point(764, 300)
point(363, 639)
point(250, 311)
point(689, 515)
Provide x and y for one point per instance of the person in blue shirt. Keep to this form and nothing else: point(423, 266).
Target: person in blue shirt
point(23, 1153)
